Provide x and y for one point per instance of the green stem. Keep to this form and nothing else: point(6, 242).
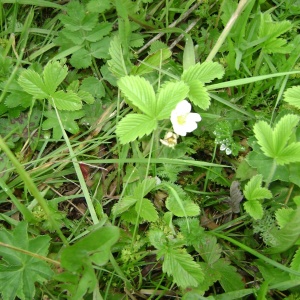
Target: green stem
point(227, 29)
point(82, 182)
point(32, 188)
point(255, 253)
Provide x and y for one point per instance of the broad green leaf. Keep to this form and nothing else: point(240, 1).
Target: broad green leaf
point(254, 190)
point(205, 72)
point(123, 205)
point(100, 49)
point(134, 126)
point(283, 216)
point(157, 238)
point(189, 59)
point(181, 207)
point(145, 187)
point(209, 249)
point(295, 264)
point(254, 209)
point(117, 65)
point(19, 272)
point(54, 73)
point(66, 100)
point(86, 97)
point(32, 83)
point(198, 94)
point(292, 96)
point(288, 235)
point(93, 248)
point(211, 275)
point(192, 231)
point(81, 59)
point(75, 15)
point(140, 93)
point(168, 97)
point(146, 210)
point(94, 86)
point(151, 62)
point(97, 34)
point(274, 143)
point(179, 264)
point(98, 6)
point(230, 280)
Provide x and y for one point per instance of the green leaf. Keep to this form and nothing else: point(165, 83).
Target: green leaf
point(117, 65)
point(32, 83)
point(99, 32)
point(66, 100)
point(283, 216)
point(168, 97)
point(93, 248)
point(288, 235)
point(81, 59)
point(123, 205)
point(189, 59)
point(179, 206)
point(274, 143)
point(292, 96)
point(68, 120)
point(208, 248)
point(100, 49)
point(254, 191)
point(151, 62)
point(295, 264)
point(54, 73)
point(19, 272)
point(98, 6)
point(146, 210)
point(145, 187)
point(94, 86)
point(157, 238)
point(198, 94)
point(204, 72)
point(179, 264)
point(254, 209)
point(134, 126)
point(140, 93)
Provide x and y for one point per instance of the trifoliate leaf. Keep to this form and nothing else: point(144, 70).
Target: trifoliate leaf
point(292, 96)
point(66, 100)
point(19, 272)
point(179, 264)
point(198, 94)
point(146, 210)
point(254, 209)
point(140, 93)
point(254, 190)
point(274, 143)
point(134, 126)
point(168, 97)
point(205, 72)
point(32, 83)
point(54, 73)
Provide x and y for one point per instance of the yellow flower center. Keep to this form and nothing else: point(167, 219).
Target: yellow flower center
point(181, 119)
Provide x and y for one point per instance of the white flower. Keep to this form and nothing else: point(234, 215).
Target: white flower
point(170, 139)
point(227, 149)
point(183, 120)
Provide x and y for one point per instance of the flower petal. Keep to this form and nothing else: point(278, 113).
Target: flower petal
point(183, 107)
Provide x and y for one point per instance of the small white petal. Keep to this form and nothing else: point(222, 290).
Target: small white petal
point(222, 147)
point(228, 151)
point(183, 107)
